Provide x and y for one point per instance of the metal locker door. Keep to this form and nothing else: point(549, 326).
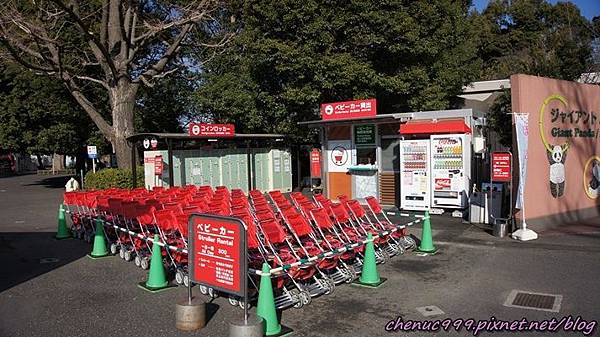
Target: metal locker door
point(225, 168)
point(286, 173)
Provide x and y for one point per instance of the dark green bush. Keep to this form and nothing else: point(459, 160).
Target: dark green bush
point(113, 177)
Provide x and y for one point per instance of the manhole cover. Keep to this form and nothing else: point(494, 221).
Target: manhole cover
point(534, 301)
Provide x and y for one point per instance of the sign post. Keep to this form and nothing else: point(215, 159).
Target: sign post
point(315, 163)
point(158, 169)
point(501, 171)
point(92, 152)
point(217, 259)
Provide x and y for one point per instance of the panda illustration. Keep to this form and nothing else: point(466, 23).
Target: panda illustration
point(557, 158)
point(594, 185)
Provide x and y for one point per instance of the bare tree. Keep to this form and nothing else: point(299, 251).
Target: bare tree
point(116, 45)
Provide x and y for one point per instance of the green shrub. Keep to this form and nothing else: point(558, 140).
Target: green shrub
point(113, 177)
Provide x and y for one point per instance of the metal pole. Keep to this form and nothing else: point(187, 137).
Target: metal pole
point(245, 257)
point(189, 291)
point(249, 165)
point(170, 155)
point(510, 207)
point(81, 171)
point(133, 165)
point(94, 165)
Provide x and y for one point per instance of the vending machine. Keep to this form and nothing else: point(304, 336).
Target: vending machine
point(451, 167)
point(415, 175)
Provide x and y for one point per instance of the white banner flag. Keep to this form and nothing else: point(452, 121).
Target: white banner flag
point(522, 130)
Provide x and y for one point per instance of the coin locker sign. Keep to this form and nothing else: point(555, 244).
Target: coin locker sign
point(218, 253)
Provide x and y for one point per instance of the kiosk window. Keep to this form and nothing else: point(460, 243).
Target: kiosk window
point(366, 156)
point(389, 155)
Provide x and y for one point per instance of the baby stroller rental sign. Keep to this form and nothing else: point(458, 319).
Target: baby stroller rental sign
point(218, 253)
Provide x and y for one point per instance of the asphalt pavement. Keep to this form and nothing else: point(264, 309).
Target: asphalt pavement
point(50, 288)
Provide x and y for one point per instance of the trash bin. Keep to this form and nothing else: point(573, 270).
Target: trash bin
point(500, 228)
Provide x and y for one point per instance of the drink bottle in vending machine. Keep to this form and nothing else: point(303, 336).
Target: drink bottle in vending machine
point(451, 173)
point(415, 175)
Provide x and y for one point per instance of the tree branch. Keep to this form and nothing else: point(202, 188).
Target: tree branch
point(95, 80)
point(160, 65)
point(91, 110)
point(100, 52)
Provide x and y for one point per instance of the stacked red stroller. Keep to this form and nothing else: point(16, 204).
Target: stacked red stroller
point(311, 244)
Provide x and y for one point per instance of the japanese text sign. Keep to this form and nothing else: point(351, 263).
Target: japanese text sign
point(217, 254)
point(349, 109)
point(211, 130)
point(315, 163)
point(158, 166)
point(501, 164)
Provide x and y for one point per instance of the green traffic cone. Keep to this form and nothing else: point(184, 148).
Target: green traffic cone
point(426, 246)
point(266, 303)
point(369, 276)
point(157, 277)
point(99, 249)
point(62, 232)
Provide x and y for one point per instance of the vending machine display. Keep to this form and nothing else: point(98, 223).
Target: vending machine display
point(450, 170)
point(415, 175)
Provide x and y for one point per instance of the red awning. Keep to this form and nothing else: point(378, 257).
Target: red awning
point(433, 127)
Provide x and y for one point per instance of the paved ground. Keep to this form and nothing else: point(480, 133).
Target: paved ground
point(470, 278)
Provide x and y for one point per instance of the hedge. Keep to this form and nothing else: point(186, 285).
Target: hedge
point(113, 177)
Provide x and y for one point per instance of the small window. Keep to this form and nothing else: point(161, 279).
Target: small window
point(366, 156)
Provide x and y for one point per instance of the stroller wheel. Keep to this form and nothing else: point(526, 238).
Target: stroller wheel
point(127, 255)
point(179, 277)
point(212, 293)
point(233, 301)
point(122, 252)
point(113, 248)
point(137, 261)
point(298, 303)
point(328, 285)
point(305, 297)
point(203, 290)
point(145, 263)
point(331, 285)
point(186, 280)
point(243, 304)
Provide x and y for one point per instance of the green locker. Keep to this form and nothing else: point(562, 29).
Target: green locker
point(226, 161)
point(215, 168)
point(286, 172)
point(277, 168)
point(242, 170)
point(262, 171)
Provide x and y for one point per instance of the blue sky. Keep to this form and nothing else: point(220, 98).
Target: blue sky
point(589, 8)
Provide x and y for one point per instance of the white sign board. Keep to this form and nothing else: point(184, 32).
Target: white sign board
point(92, 152)
point(339, 155)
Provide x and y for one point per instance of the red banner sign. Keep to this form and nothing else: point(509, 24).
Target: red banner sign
point(350, 109)
point(211, 130)
point(501, 162)
point(158, 166)
point(217, 253)
point(315, 163)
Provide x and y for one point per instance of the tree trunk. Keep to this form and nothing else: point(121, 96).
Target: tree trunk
point(123, 102)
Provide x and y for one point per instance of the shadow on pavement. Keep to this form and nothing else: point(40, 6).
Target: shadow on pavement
point(51, 182)
point(27, 255)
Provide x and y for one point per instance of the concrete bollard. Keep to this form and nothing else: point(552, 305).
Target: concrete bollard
point(190, 316)
point(253, 328)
